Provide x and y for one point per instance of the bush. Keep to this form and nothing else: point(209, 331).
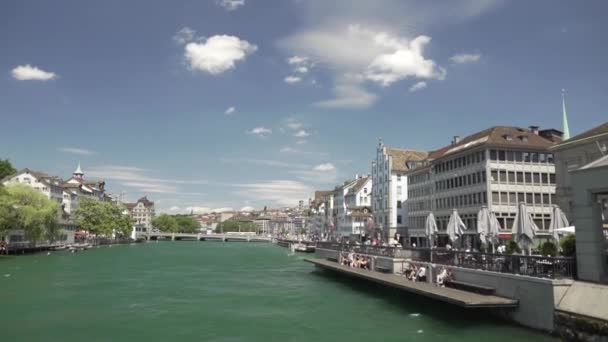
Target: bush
point(512, 247)
point(568, 244)
point(548, 248)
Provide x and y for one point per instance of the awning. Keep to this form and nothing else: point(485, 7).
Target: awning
point(505, 236)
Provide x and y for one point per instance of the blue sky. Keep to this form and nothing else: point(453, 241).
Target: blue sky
point(140, 92)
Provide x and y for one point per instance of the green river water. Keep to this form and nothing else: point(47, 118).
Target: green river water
point(214, 291)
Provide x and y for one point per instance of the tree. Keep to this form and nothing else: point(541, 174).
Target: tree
point(101, 218)
point(6, 168)
point(548, 248)
point(165, 223)
point(235, 226)
point(568, 244)
point(187, 224)
point(23, 207)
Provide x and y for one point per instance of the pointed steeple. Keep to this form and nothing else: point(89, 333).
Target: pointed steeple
point(565, 127)
point(78, 173)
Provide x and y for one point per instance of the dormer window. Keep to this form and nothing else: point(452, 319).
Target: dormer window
point(508, 137)
point(523, 137)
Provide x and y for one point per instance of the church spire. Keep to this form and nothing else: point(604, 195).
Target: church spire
point(565, 127)
point(78, 173)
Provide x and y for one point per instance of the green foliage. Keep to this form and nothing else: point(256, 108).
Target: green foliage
point(568, 244)
point(165, 223)
point(235, 226)
point(101, 218)
point(23, 207)
point(187, 224)
point(548, 248)
point(6, 168)
point(512, 247)
point(176, 224)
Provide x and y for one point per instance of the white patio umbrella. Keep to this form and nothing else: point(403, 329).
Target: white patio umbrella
point(524, 229)
point(488, 226)
point(558, 220)
point(456, 227)
point(430, 228)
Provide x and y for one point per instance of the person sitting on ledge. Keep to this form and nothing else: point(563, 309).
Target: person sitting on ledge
point(442, 277)
point(413, 273)
point(422, 274)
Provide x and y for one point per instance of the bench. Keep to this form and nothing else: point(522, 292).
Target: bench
point(461, 285)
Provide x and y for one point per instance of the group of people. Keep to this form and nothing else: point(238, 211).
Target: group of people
point(415, 273)
point(355, 260)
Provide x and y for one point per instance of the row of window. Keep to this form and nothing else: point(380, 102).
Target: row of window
point(513, 198)
point(521, 157)
point(460, 162)
point(419, 178)
point(520, 177)
point(474, 199)
point(461, 181)
point(417, 192)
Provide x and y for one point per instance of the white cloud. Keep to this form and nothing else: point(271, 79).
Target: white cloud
point(139, 180)
point(406, 60)
point(297, 60)
point(247, 209)
point(230, 110)
point(264, 162)
point(301, 134)
point(78, 151)
point(260, 132)
point(465, 58)
point(301, 141)
point(293, 124)
point(418, 86)
point(349, 96)
point(280, 192)
point(292, 79)
point(325, 167)
point(218, 53)
point(380, 41)
point(301, 69)
point(32, 73)
point(231, 5)
point(184, 35)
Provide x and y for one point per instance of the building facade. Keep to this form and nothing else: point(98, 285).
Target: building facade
point(498, 168)
point(142, 213)
point(390, 188)
point(572, 154)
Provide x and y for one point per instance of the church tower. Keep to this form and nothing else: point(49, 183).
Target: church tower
point(78, 174)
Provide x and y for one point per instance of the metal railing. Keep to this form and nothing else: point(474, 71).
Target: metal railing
point(533, 266)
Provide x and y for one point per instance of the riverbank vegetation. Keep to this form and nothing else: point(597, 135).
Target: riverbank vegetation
point(176, 224)
point(24, 208)
point(235, 226)
point(102, 218)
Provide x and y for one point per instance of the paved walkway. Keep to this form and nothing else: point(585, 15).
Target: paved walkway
point(457, 297)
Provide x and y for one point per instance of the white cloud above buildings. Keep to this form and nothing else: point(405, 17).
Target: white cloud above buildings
point(215, 54)
point(417, 86)
point(325, 167)
point(28, 72)
point(260, 132)
point(230, 5)
point(77, 151)
point(465, 58)
point(292, 79)
point(230, 110)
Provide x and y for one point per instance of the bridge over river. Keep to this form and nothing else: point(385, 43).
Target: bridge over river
point(205, 237)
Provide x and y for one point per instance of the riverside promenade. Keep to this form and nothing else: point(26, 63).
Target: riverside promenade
point(465, 299)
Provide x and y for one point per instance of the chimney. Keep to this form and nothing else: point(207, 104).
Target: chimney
point(534, 129)
point(456, 140)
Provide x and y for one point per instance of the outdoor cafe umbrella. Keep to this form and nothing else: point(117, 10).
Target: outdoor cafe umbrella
point(558, 220)
point(455, 227)
point(488, 226)
point(430, 228)
point(524, 229)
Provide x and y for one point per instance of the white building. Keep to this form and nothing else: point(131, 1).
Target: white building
point(142, 213)
point(389, 193)
point(352, 197)
point(572, 154)
point(498, 167)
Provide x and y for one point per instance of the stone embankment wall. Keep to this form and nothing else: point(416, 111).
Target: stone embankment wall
point(572, 327)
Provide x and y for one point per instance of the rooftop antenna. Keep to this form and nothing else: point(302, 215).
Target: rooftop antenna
point(565, 127)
